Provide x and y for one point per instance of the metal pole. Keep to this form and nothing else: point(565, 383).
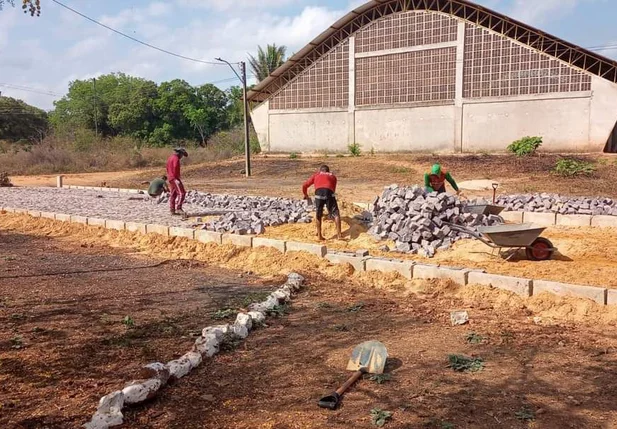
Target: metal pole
point(96, 115)
point(247, 143)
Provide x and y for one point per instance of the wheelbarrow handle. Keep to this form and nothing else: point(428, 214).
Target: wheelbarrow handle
point(332, 401)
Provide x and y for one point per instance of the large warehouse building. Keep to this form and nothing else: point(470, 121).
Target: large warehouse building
point(436, 76)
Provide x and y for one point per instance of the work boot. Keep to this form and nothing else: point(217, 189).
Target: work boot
point(172, 212)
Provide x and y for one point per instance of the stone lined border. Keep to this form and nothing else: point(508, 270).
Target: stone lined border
point(103, 189)
point(155, 376)
point(360, 260)
point(552, 219)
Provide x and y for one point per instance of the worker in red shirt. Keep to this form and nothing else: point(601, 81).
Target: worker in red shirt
point(176, 188)
point(325, 187)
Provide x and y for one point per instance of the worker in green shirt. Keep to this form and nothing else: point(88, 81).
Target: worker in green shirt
point(435, 180)
point(157, 187)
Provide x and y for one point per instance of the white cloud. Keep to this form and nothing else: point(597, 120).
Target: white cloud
point(159, 9)
point(225, 5)
point(86, 46)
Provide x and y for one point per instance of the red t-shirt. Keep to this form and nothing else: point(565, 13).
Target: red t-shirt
point(173, 167)
point(321, 180)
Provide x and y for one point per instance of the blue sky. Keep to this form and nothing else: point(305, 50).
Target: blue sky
point(50, 51)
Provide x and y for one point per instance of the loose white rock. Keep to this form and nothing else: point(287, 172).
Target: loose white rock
point(207, 345)
point(179, 368)
point(219, 331)
point(240, 331)
point(156, 370)
point(257, 316)
point(109, 412)
point(244, 319)
point(140, 391)
point(295, 279)
point(194, 358)
point(281, 296)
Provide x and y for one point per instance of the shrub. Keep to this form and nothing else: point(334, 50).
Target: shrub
point(293, 155)
point(527, 146)
point(354, 149)
point(567, 167)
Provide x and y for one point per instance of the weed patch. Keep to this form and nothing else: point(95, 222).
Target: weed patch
point(460, 363)
point(380, 417)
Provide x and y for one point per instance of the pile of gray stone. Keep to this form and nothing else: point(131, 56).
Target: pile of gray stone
point(554, 203)
point(246, 214)
point(417, 221)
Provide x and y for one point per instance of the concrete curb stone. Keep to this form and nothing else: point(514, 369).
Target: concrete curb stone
point(594, 293)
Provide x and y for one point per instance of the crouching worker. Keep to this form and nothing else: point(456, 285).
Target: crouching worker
point(157, 187)
point(325, 188)
point(435, 181)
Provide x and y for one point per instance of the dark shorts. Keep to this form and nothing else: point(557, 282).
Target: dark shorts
point(325, 198)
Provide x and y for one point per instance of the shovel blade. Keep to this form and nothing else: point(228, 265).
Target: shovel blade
point(369, 357)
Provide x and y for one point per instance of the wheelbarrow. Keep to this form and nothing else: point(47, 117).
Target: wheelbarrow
point(484, 209)
point(513, 237)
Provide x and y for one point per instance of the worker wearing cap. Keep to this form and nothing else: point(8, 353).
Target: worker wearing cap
point(325, 187)
point(435, 181)
point(177, 192)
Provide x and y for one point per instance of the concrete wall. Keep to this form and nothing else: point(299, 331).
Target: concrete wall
point(603, 115)
point(260, 117)
point(562, 122)
point(309, 131)
point(576, 122)
point(421, 129)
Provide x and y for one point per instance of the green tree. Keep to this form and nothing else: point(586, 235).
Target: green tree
point(235, 109)
point(132, 112)
point(116, 105)
point(20, 121)
point(33, 7)
point(208, 114)
point(267, 60)
point(169, 107)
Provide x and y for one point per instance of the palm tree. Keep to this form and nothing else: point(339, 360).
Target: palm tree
point(267, 61)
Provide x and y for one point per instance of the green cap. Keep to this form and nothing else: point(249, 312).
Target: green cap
point(436, 169)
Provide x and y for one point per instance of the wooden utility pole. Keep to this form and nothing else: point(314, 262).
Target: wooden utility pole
point(96, 113)
point(247, 142)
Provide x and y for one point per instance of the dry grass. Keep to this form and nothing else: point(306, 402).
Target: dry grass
point(83, 152)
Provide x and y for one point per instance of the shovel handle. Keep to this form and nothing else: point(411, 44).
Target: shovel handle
point(356, 375)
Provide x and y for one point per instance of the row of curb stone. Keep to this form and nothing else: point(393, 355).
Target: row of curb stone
point(361, 261)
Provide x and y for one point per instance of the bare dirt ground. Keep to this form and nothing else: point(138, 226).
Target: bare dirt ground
point(64, 340)
point(551, 372)
point(362, 178)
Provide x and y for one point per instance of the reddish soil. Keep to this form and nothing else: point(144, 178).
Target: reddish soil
point(555, 368)
point(556, 371)
point(63, 343)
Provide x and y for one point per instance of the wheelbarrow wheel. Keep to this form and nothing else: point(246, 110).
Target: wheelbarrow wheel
point(540, 250)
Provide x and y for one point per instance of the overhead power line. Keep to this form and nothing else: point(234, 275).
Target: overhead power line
point(29, 89)
point(134, 39)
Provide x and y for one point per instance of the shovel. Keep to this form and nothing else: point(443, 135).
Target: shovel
point(367, 358)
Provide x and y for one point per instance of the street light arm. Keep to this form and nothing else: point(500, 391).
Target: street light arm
point(231, 67)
